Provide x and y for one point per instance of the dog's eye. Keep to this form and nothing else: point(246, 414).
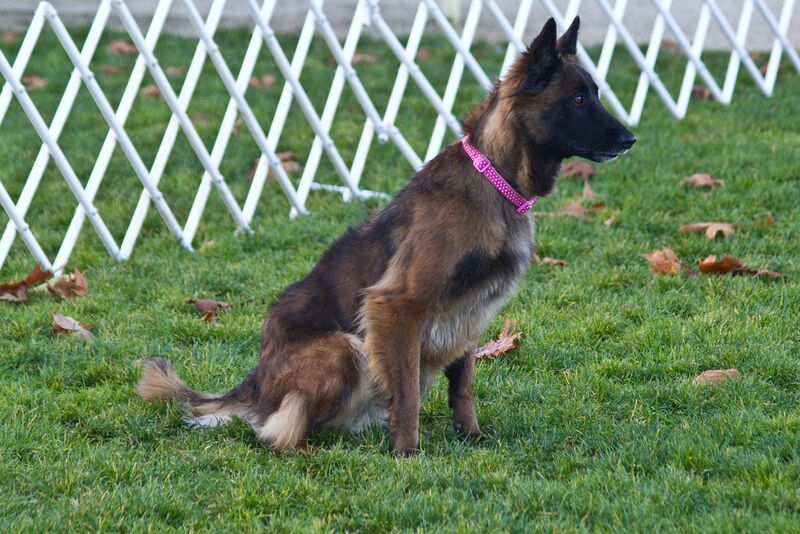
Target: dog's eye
point(577, 100)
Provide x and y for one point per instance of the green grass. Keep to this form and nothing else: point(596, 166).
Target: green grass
point(593, 424)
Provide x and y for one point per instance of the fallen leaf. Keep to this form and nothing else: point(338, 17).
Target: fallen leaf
point(238, 125)
point(734, 266)
point(65, 325)
point(199, 118)
point(610, 221)
point(172, 70)
point(577, 211)
point(577, 168)
point(702, 180)
point(18, 291)
point(710, 228)
point(715, 376)
point(359, 57)
point(8, 37)
point(207, 243)
point(69, 286)
point(587, 193)
point(288, 164)
point(508, 340)
point(19, 294)
point(121, 46)
point(769, 221)
point(701, 93)
point(664, 261)
point(669, 44)
point(423, 54)
point(727, 264)
point(548, 261)
point(33, 82)
point(263, 82)
point(110, 69)
point(763, 273)
point(151, 91)
point(208, 307)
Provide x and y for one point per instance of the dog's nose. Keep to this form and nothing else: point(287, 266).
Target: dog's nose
point(627, 140)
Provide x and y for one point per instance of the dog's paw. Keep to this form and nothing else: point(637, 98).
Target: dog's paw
point(470, 431)
point(407, 452)
point(405, 446)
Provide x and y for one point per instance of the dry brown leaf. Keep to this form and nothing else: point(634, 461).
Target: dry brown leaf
point(729, 264)
point(263, 82)
point(199, 117)
point(121, 46)
point(423, 54)
point(710, 228)
point(69, 286)
point(548, 261)
point(702, 180)
point(577, 211)
point(508, 340)
point(19, 294)
point(151, 91)
point(18, 291)
point(207, 243)
point(715, 376)
point(33, 82)
point(769, 221)
point(173, 70)
point(664, 261)
point(238, 125)
point(701, 93)
point(577, 168)
point(8, 37)
point(610, 221)
point(763, 273)
point(359, 58)
point(669, 44)
point(208, 307)
point(288, 164)
point(65, 325)
point(587, 193)
point(110, 69)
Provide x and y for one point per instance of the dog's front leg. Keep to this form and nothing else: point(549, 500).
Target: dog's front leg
point(394, 326)
point(461, 376)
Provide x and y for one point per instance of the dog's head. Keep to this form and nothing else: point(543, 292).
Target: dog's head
point(558, 105)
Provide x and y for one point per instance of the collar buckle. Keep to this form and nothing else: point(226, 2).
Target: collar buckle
point(481, 163)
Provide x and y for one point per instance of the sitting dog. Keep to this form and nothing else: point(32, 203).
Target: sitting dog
point(410, 291)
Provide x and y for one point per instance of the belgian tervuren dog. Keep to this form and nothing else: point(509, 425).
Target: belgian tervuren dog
point(409, 292)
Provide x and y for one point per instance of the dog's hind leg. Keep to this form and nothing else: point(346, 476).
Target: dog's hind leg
point(311, 386)
point(286, 428)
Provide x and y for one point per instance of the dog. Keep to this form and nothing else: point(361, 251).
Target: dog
point(409, 292)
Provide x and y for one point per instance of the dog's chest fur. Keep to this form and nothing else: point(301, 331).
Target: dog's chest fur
point(480, 284)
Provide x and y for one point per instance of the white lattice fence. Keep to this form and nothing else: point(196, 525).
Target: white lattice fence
point(367, 12)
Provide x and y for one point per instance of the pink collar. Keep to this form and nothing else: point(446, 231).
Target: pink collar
point(484, 166)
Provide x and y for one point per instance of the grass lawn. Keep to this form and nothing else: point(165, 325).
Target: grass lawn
point(593, 424)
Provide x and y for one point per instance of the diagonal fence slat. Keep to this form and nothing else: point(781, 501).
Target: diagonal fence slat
point(316, 24)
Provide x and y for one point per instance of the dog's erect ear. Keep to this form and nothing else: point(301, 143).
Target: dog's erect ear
point(541, 59)
point(568, 43)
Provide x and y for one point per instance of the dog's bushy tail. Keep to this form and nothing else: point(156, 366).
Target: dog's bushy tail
point(160, 382)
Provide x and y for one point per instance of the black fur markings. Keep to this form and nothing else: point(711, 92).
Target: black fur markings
point(478, 267)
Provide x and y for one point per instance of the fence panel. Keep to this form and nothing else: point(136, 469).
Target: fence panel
point(316, 25)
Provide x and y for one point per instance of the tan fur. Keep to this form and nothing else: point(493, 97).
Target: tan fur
point(286, 428)
point(160, 382)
